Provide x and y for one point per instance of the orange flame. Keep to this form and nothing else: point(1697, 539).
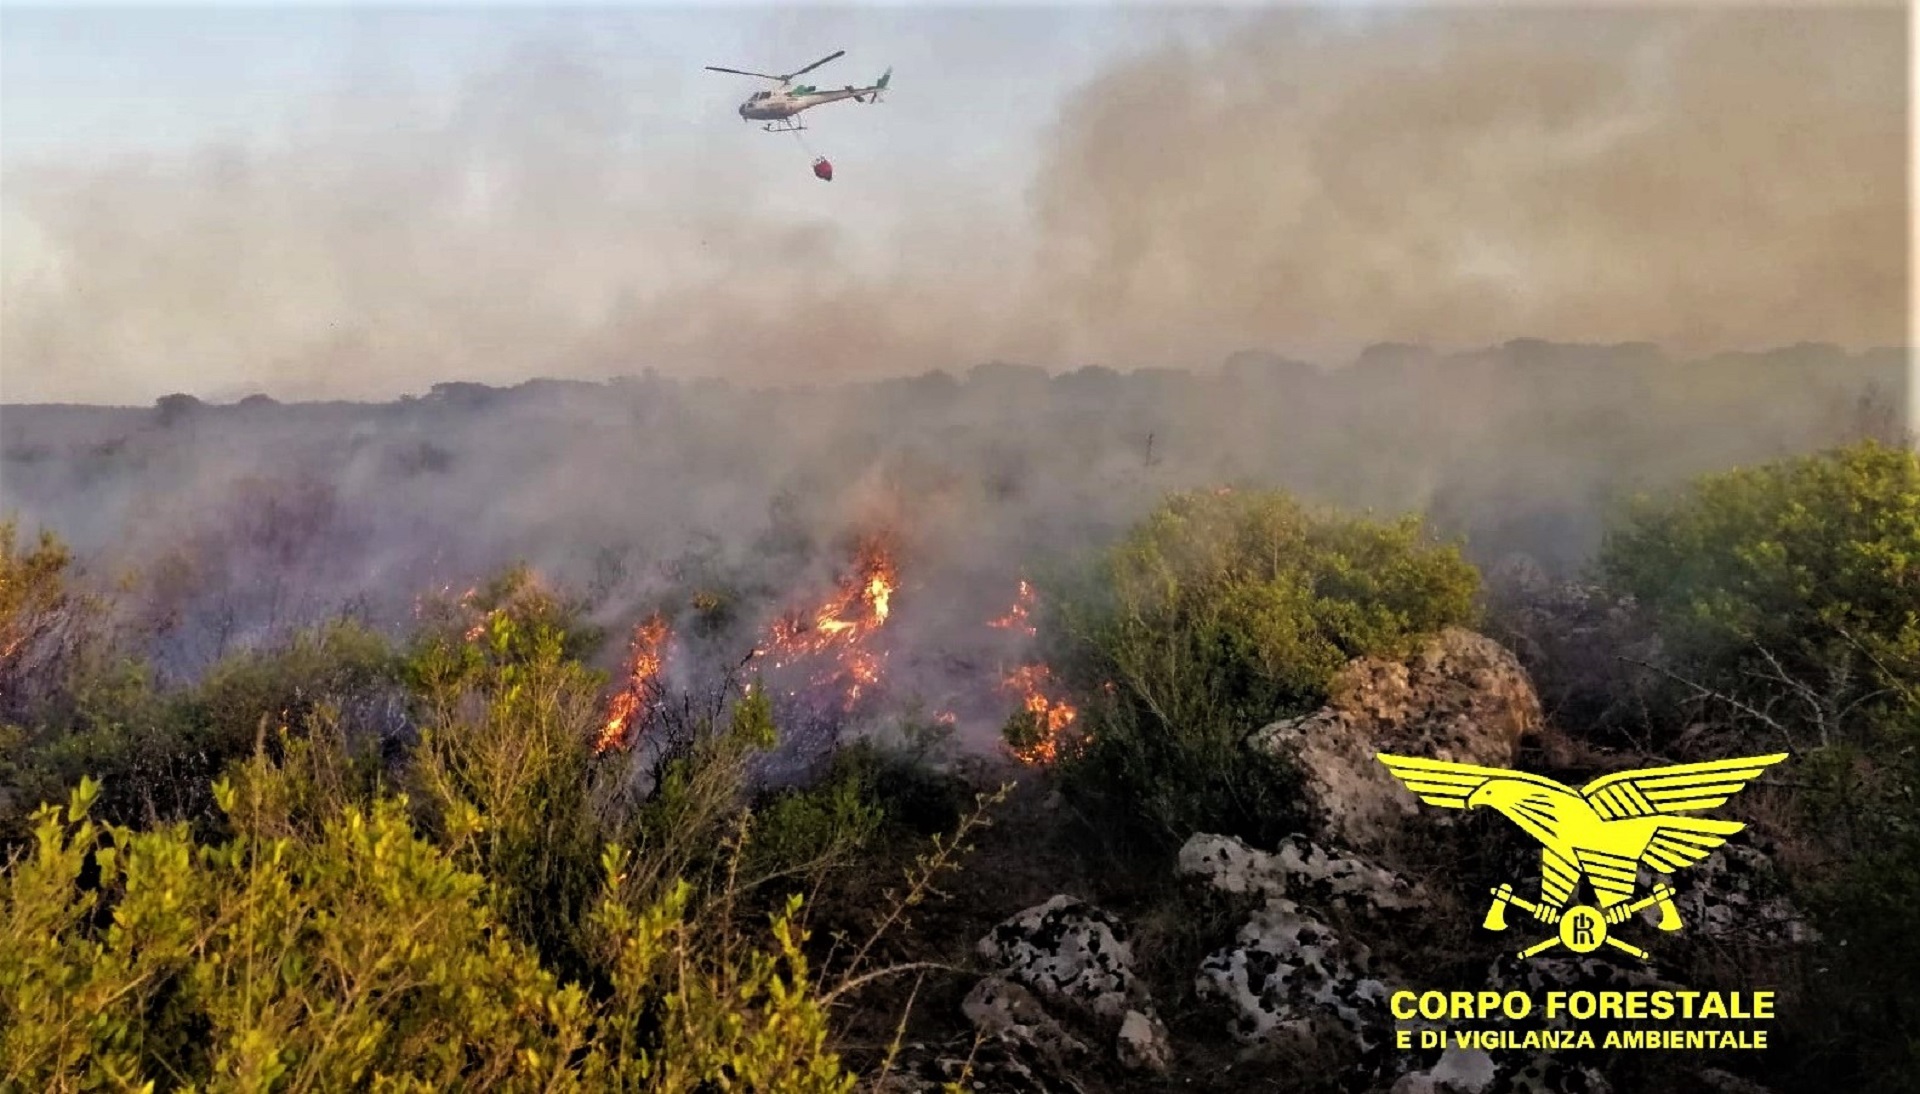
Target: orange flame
point(644, 662)
point(840, 628)
point(1052, 716)
point(1017, 617)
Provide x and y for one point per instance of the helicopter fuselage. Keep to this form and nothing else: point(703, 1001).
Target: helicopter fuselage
point(783, 101)
point(775, 105)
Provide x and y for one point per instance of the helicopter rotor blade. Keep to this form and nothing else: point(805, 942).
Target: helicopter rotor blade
point(817, 64)
point(743, 72)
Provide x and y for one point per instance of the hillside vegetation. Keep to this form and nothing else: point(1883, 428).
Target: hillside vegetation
point(408, 858)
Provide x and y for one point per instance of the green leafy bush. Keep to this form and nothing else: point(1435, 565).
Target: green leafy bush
point(506, 721)
point(366, 958)
point(1792, 589)
point(1789, 599)
point(1220, 612)
point(157, 751)
point(48, 622)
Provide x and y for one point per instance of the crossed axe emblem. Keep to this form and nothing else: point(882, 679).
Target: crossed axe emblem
point(1583, 927)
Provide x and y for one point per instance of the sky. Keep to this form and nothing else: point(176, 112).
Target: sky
point(977, 85)
point(359, 201)
point(160, 77)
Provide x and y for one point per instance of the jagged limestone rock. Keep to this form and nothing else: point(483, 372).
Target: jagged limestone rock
point(1462, 697)
point(1072, 952)
point(1300, 870)
point(1143, 1044)
point(1737, 893)
point(1288, 975)
point(1458, 1071)
point(1000, 1008)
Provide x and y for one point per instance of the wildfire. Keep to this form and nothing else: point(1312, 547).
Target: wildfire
point(1051, 716)
point(480, 626)
point(838, 630)
point(1018, 617)
point(646, 657)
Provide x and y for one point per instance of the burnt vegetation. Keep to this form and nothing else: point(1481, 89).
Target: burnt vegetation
point(670, 736)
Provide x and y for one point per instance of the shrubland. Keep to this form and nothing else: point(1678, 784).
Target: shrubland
point(352, 863)
point(1787, 600)
point(400, 862)
point(1218, 613)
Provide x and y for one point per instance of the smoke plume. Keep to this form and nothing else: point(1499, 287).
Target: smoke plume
point(1302, 181)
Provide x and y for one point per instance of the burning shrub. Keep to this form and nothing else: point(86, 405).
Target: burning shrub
point(833, 642)
point(640, 694)
point(1219, 612)
point(523, 857)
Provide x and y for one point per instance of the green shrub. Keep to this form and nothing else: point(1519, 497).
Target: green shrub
point(506, 717)
point(1217, 614)
point(245, 902)
point(1792, 588)
point(53, 633)
point(874, 789)
point(366, 958)
point(1788, 596)
point(156, 752)
point(801, 834)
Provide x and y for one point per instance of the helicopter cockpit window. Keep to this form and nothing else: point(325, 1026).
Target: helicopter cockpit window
point(758, 95)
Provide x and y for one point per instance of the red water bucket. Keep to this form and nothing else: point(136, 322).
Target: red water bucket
point(823, 170)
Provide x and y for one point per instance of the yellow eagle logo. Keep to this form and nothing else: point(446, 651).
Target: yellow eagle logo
point(1605, 832)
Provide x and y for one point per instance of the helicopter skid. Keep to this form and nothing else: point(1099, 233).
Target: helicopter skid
point(783, 127)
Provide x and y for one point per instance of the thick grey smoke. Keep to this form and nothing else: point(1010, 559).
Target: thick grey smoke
point(1292, 180)
point(1302, 181)
point(1699, 179)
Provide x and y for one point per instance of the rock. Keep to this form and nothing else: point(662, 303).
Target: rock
point(1072, 952)
point(1288, 975)
point(1002, 1009)
point(1300, 870)
point(1500, 1071)
point(1462, 697)
point(1735, 893)
point(1466, 1070)
point(1144, 1045)
point(1566, 972)
point(1075, 955)
point(1550, 1074)
point(1459, 1071)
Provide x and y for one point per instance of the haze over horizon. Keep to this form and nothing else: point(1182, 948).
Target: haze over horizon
point(362, 203)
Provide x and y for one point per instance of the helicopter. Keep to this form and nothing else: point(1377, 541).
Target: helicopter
point(778, 108)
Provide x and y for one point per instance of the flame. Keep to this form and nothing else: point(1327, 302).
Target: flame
point(839, 629)
point(1018, 616)
point(1053, 716)
point(644, 661)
